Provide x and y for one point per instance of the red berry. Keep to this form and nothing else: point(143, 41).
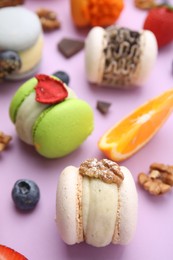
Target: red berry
point(7, 253)
point(160, 21)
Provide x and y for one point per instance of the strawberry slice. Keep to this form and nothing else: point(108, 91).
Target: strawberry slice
point(7, 253)
point(49, 91)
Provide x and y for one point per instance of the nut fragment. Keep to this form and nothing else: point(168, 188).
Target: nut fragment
point(166, 172)
point(145, 4)
point(5, 3)
point(48, 19)
point(153, 186)
point(159, 180)
point(105, 170)
point(4, 141)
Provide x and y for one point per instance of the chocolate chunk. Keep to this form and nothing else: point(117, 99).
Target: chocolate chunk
point(69, 47)
point(103, 106)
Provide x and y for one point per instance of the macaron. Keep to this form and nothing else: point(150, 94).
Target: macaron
point(21, 43)
point(119, 57)
point(48, 115)
point(95, 12)
point(96, 203)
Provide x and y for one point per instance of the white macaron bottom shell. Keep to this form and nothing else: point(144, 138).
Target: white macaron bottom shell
point(94, 56)
point(128, 209)
point(99, 204)
point(66, 205)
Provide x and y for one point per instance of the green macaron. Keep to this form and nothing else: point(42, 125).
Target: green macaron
point(48, 115)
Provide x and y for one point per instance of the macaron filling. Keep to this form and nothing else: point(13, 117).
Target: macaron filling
point(101, 201)
point(122, 56)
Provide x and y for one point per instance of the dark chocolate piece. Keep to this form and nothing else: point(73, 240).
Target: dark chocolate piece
point(69, 47)
point(103, 106)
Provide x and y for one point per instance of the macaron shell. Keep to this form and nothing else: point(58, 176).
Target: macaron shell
point(14, 34)
point(94, 54)
point(149, 50)
point(25, 75)
point(20, 96)
point(61, 128)
point(66, 205)
point(128, 208)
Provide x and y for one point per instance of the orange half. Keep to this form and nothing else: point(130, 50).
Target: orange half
point(134, 131)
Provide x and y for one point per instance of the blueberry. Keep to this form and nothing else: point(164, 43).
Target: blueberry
point(63, 76)
point(25, 194)
point(9, 63)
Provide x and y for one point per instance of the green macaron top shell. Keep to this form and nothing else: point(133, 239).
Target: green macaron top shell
point(61, 128)
point(20, 96)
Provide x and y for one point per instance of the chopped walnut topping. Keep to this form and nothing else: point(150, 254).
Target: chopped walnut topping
point(48, 19)
point(4, 141)
point(145, 4)
point(159, 180)
point(105, 170)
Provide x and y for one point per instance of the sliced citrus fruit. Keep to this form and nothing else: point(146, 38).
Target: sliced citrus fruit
point(134, 131)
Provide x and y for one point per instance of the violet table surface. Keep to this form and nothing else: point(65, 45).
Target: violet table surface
point(35, 234)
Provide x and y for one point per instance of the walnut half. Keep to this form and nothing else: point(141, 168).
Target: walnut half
point(105, 170)
point(159, 180)
point(48, 19)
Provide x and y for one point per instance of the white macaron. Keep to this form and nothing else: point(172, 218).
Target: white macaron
point(21, 42)
point(119, 57)
point(96, 203)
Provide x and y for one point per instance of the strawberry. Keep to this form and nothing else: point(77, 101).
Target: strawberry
point(7, 253)
point(160, 21)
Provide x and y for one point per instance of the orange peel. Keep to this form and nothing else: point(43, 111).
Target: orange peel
point(130, 134)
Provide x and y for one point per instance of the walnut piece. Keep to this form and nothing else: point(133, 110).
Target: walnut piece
point(159, 180)
point(4, 141)
point(153, 186)
point(48, 19)
point(145, 4)
point(105, 170)
point(5, 3)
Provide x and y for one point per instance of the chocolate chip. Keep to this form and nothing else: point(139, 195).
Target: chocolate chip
point(69, 47)
point(103, 106)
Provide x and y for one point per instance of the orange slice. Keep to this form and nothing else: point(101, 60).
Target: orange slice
point(134, 131)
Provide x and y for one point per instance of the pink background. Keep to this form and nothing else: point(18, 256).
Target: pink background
point(35, 234)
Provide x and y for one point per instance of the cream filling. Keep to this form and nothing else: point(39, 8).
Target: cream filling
point(100, 205)
point(28, 113)
point(31, 57)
